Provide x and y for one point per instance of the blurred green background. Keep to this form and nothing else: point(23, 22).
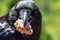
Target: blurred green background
point(50, 10)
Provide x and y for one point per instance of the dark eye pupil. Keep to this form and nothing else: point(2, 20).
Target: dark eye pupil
point(14, 16)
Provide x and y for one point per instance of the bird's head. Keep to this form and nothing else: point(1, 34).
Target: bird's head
point(25, 11)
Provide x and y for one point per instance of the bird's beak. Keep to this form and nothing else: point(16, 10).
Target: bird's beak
point(25, 15)
point(22, 24)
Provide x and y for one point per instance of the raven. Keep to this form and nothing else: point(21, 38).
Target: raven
point(28, 13)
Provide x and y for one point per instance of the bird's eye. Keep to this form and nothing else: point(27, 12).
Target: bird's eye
point(14, 16)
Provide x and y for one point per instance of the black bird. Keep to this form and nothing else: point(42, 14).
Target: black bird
point(28, 12)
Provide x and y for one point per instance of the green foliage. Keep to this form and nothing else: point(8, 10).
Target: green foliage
point(6, 5)
point(50, 10)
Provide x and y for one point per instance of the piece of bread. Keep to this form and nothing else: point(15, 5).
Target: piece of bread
point(19, 25)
